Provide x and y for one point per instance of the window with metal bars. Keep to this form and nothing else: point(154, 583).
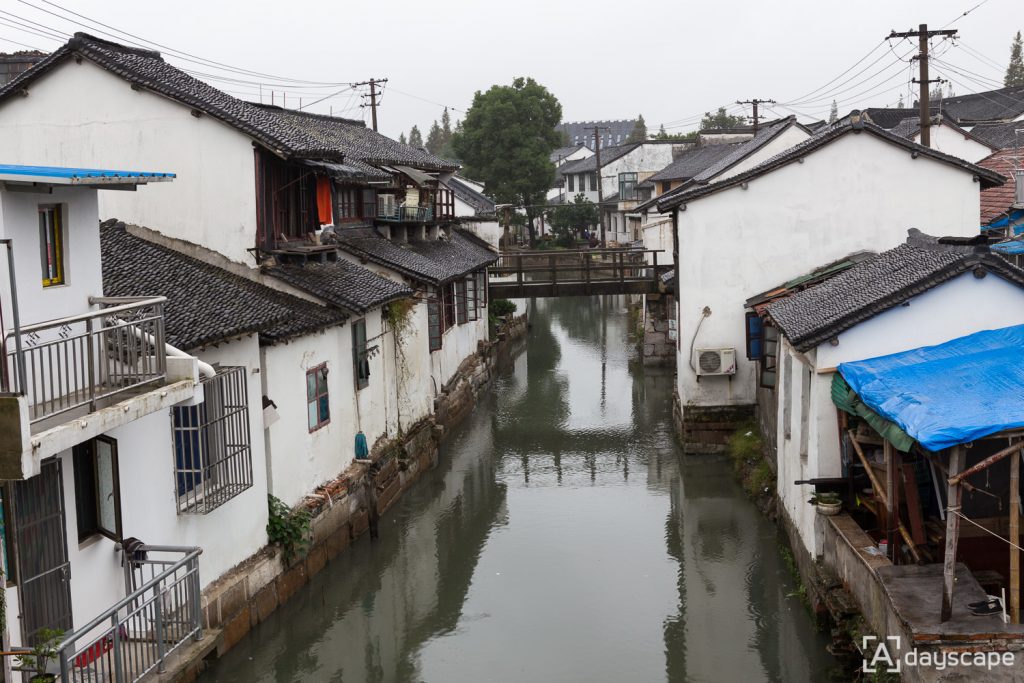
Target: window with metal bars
point(212, 454)
point(360, 354)
point(448, 305)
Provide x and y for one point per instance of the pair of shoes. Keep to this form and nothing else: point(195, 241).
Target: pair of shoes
point(986, 607)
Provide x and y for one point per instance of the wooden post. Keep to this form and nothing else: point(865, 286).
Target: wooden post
point(1015, 539)
point(654, 268)
point(519, 272)
point(554, 269)
point(954, 497)
point(891, 506)
point(586, 270)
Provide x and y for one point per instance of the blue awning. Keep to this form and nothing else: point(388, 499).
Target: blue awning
point(1009, 247)
point(63, 175)
point(948, 394)
point(1011, 217)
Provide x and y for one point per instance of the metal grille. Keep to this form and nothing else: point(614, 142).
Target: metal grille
point(212, 455)
point(710, 361)
point(41, 550)
point(73, 362)
point(161, 612)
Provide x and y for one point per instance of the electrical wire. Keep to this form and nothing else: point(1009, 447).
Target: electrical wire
point(964, 14)
point(186, 56)
point(870, 52)
point(30, 47)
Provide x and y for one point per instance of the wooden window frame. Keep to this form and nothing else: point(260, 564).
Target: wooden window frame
point(86, 480)
point(461, 302)
point(473, 297)
point(447, 306)
point(54, 225)
point(435, 324)
point(318, 372)
point(571, 181)
point(360, 362)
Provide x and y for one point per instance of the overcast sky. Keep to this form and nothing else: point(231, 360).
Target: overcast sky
point(603, 60)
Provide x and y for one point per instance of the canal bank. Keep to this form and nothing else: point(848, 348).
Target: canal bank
point(562, 536)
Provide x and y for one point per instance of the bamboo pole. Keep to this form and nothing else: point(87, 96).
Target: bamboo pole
point(880, 492)
point(987, 462)
point(954, 497)
point(1015, 540)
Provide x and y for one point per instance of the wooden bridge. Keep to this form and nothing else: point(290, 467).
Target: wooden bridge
point(581, 272)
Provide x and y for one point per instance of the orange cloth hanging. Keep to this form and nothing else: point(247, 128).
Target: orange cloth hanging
point(323, 200)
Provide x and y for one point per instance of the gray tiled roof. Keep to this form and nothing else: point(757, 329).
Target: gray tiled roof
point(1000, 135)
point(481, 203)
point(589, 165)
point(993, 105)
point(887, 117)
point(691, 192)
point(880, 283)
point(292, 134)
point(764, 135)
point(205, 304)
point(430, 261)
point(341, 283)
point(563, 152)
point(694, 161)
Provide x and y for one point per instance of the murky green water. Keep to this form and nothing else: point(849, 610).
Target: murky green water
point(562, 537)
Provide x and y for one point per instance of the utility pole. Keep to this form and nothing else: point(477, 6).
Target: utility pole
point(754, 102)
point(597, 175)
point(373, 83)
point(923, 34)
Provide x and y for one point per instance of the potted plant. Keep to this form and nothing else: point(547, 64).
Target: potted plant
point(828, 504)
point(38, 659)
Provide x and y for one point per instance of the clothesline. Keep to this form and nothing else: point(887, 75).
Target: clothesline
point(956, 511)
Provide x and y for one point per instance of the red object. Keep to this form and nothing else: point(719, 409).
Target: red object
point(323, 200)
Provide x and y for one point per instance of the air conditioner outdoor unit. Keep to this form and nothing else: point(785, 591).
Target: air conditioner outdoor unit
point(1018, 196)
point(715, 362)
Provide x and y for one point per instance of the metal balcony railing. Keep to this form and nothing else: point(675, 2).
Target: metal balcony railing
point(72, 362)
point(134, 637)
point(404, 214)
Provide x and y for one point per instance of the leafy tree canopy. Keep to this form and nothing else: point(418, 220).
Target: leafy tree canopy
point(401, 139)
point(681, 137)
point(721, 119)
point(833, 114)
point(568, 218)
point(506, 141)
point(1015, 70)
point(435, 139)
point(415, 137)
point(639, 132)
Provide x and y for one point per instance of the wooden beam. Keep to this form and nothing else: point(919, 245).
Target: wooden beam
point(1015, 540)
point(892, 505)
point(880, 494)
point(913, 501)
point(954, 496)
point(987, 462)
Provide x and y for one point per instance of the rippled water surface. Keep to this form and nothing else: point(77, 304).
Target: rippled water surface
point(562, 537)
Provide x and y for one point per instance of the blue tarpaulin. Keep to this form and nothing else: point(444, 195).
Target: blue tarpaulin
point(948, 394)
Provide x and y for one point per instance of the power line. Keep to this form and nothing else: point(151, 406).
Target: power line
point(187, 56)
point(964, 14)
point(31, 47)
point(855, 64)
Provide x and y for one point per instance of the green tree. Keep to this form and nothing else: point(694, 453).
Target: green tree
point(833, 115)
point(507, 137)
point(415, 137)
point(446, 125)
point(568, 219)
point(680, 137)
point(721, 119)
point(1015, 70)
point(639, 132)
point(448, 151)
point(435, 139)
point(401, 139)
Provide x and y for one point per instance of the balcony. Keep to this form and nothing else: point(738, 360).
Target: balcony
point(97, 370)
point(396, 213)
point(160, 615)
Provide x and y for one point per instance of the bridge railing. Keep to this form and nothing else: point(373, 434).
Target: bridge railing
point(580, 266)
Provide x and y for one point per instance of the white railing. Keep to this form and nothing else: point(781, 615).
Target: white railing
point(72, 362)
point(135, 636)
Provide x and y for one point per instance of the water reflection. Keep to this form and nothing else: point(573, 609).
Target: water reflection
point(562, 538)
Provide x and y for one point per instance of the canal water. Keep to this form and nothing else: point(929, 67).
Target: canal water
point(562, 537)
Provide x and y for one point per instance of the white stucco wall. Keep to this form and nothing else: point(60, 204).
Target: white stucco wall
point(657, 234)
point(19, 221)
point(853, 194)
point(957, 308)
point(945, 139)
point(780, 143)
point(211, 202)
